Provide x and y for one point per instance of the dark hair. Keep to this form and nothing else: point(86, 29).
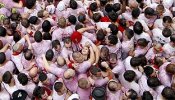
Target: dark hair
point(122, 22)
point(96, 17)
point(6, 78)
point(2, 57)
point(47, 36)
point(167, 19)
point(143, 60)
point(6, 21)
point(166, 32)
point(129, 33)
point(168, 93)
point(15, 17)
point(22, 78)
point(49, 55)
point(100, 35)
point(13, 26)
point(133, 94)
point(94, 70)
point(72, 19)
point(73, 4)
point(16, 36)
point(33, 19)
point(81, 18)
point(116, 7)
point(78, 26)
point(142, 42)
point(38, 91)
point(93, 6)
point(172, 38)
point(113, 39)
point(129, 75)
point(42, 76)
point(55, 43)
point(3, 31)
point(46, 26)
point(149, 11)
point(30, 3)
point(113, 16)
point(148, 71)
point(108, 8)
point(25, 23)
point(28, 54)
point(16, 1)
point(138, 28)
point(114, 29)
point(170, 68)
point(58, 86)
point(135, 12)
point(153, 82)
point(38, 36)
point(49, 1)
point(147, 96)
point(135, 61)
point(111, 89)
point(103, 2)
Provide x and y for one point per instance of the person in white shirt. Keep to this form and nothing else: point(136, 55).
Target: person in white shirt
point(164, 22)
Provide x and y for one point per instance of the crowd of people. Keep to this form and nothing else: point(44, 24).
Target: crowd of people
point(87, 50)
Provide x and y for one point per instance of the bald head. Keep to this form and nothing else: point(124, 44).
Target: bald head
point(60, 61)
point(133, 4)
point(33, 72)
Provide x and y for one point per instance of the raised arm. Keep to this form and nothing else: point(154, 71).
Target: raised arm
point(82, 30)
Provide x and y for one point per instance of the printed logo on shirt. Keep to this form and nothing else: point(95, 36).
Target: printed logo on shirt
point(2, 5)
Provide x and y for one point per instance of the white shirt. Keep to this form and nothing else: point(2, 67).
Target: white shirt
point(168, 50)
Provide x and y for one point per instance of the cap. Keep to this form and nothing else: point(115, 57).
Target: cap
point(61, 6)
point(76, 37)
point(74, 97)
point(99, 93)
point(16, 47)
point(50, 9)
point(19, 95)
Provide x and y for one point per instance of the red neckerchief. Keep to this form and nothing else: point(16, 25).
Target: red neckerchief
point(121, 29)
point(97, 43)
point(131, 23)
point(16, 53)
point(31, 33)
point(23, 2)
point(156, 67)
point(105, 19)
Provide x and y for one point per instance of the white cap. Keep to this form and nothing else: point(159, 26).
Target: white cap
point(74, 96)
point(50, 9)
point(61, 6)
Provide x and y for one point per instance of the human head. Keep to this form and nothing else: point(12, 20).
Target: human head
point(85, 50)
point(111, 40)
point(3, 31)
point(172, 39)
point(95, 71)
point(113, 28)
point(131, 94)
point(69, 74)
point(62, 22)
point(30, 3)
point(99, 93)
point(170, 69)
point(40, 92)
point(22, 78)
point(33, 20)
point(113, 59)
point(103, 2)
point(33, 73)
point(149, 12)
point(168, 93)
point(167, 21)
point(25, 23)
point(96, 17)
point(2, 57)
point(147, 96)
point(67, 42)
point(6, 22)
point(129, 75)
point(82, 18)
point(104, 53)
point(138, 28)
point(7, 77)
point(72, 19)
point(61, 61)
point(135, 62)
point(142, 43)
point(78, 26)
point(49, 55)
point(43, 78)
point(47, 36)
point(56, 45)
point(149, 71)
point(77, 57)
point(166, 32)
point(153, 82)
point(158, 47)
point(60, 87)
point(28, 55)
point(114, 86)
point(160, 9)
point(15, 17)
point(73, 4)
point(83, 83)
point(108, 8)
point(128, 33)
point(113, 16)
point(158, 61)
point(135, 13)
point(20, 95)
point(46, 26)
point(38, 36)
point(16, 36)
point(100, 35)
point(116, 7)
point(93, 6)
